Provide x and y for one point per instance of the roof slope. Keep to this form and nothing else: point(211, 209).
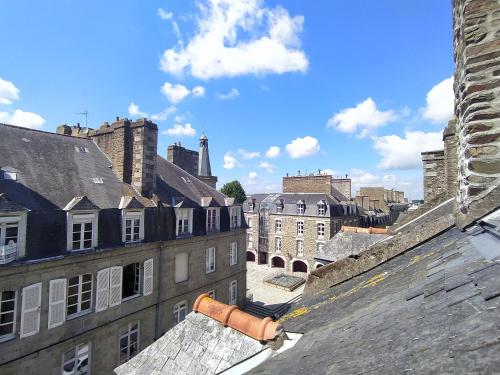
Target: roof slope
point(197, 345)
point(433, 309)
point(51, 170)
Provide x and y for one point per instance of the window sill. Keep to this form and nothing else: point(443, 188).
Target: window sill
point(7, 337)
point(78, 315)
point(131, 297)
point(209, 272)
point(131, 243)
point(183, 235)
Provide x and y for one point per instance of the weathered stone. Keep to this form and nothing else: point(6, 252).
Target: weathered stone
point(485, 166)
point(477, 151)
point(481, 139)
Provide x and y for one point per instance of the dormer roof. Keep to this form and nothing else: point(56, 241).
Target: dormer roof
point(81, 204)
point(7, 205)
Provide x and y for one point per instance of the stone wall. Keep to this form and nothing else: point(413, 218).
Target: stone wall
point(434, 173)
point(183, 158)
point(450, 157)
point(477, 105)
point(343, 185)
point(308, 184)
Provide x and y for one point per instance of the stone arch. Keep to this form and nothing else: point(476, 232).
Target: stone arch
point(251, 257)
point(299, 266)
point(278, 262)
point(318, 265)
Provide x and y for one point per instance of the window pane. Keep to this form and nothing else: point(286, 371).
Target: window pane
point(72, 310)
point(8, 317)
point(73, 300)
point(88, 226)
point(87, 277)
point(7, 329)
point(87, 244)
point(85, 306)
point(76, 236)
point(7, 306)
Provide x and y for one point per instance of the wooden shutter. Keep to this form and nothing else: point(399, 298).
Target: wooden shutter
point(148, 277)
point(57, 302)
point(30, 310)
point(115, 286)
point(102, 290)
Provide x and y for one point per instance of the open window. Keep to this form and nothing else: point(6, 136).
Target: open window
point(131, 284)
point(8, 304)
point(77, 360)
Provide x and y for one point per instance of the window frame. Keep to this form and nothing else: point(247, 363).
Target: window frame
point(128, 334)
point(178, 307)
point(80, 312)
point(7, 222)
point(277, 249)
point(276, 226)
point(235, 213)
point(279, 208)
point(249, 240)
point(301, 208)
point(320, 233)
point(82, 217)
point(132, 215)
point(233, 284)
point(183, 214)
point(11, 335)
point(210, 254)
point(233, 253)
point(301, 252)
point(300, 228)
point(138, 279)
point(175, 267)
point(321, 209)
point(215, 225)
point(76, 357)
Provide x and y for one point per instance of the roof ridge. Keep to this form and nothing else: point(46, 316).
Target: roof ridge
point(43, 131)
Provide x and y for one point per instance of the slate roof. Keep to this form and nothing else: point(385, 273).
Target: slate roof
point(51, 170)
point(197, 345)
point(345, 244)
point(174, 183)
point(432, 310)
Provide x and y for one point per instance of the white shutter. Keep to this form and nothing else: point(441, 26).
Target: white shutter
point(57, 302)
point(148, 277)
point(207, 260)
point(30, 310)
point(102, 294)
point(115, 286)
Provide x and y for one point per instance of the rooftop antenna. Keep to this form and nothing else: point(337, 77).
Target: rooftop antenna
point(86, 113)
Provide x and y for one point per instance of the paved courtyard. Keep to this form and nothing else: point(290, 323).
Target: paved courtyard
point(266, 295)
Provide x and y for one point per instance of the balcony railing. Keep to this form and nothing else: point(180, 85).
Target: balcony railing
point(8, 253)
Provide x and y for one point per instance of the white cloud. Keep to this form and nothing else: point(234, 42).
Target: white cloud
point(273, 152)
point(267, 166)
point(230, 161)
point(301, 147)
point(365, 117)
point(198, 91)
point(231, 94)
point(22, 118)
point(8, 92)
point(174, 93)
point(248, 154)
point(134, 110)
point(216, 50)
point(328, 171)
point(252, 175)
point(404, 153)
point(180, 130)
point(440, 101)
point(389, 179)
point(163, 115)
point(164, 15)
point(361, 177)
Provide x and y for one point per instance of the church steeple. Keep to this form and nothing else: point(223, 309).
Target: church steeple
point(204, 169)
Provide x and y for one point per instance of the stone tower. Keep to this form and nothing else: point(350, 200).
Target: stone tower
point(204, 170)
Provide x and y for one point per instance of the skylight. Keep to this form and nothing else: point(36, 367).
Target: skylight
point(97, 180)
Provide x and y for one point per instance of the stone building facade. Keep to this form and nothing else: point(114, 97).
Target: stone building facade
point(96, 260)
point(380, 207)
point(434, 173)
point(477, 103)
point(317, 183)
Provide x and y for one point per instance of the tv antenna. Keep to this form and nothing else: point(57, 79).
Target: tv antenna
point(86, 113)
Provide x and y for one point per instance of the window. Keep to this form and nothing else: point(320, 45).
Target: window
point(82, 236)
point(233, 253)
point(300, 208)
point(4, 175)
point(233, 292)
point(212, 220)
point(249, 240)
point(300, 248)
point(184, 218)
point(211, 294)
point(181, 267)
point(300, 228)
point(79, 295)
point(279, 208)
point(8, 304)
point(234, 213)
point(321, 230)
point(277, 226)
point(82, 231)
point(180, 312)
point(131, 283)
point(210, 260)
point(133, 226)
point(129, 342)
point(9, 232)
point(320, 246)
point(77, 360)
point(277, 245)
point(321, 209)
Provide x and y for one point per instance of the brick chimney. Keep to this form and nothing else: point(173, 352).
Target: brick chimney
point(132, 149)
point(477, 106)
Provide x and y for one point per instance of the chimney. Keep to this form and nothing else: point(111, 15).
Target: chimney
point(204, 169)
point(477, 103)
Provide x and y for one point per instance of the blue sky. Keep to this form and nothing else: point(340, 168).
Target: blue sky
point(352, 87)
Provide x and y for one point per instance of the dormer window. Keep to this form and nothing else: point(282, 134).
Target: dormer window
point(9, 235)
point(300, 208)
point(251, 205)
point(235, 217)
point(212, 220)
point(184, 220)
point(321, 208)
point(279, 208)
point(83, 220)
point(133, 226)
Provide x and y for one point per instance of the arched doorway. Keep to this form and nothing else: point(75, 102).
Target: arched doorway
point(277, 262)
point(299, 266)
point(250, 256)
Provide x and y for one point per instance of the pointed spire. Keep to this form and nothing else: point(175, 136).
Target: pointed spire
point(204, 169)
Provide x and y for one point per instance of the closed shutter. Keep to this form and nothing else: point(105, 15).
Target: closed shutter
point(115, 286)
point(102, 294)
point(30, 310)
point(148, 277)
point(57, 302)
point(207, 260)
